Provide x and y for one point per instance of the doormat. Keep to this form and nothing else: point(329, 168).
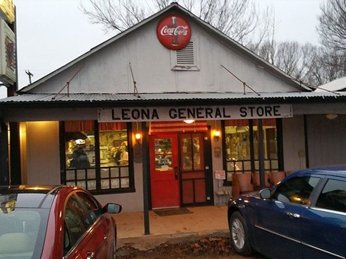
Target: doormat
point(172, 212)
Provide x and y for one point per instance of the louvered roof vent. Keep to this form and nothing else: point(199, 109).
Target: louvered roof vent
point(185, 56)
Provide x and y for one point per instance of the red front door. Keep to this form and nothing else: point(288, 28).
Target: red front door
point(164, 170)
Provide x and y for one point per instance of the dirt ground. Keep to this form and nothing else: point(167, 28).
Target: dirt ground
point(212, 247)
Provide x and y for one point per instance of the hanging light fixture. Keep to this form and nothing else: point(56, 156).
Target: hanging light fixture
point(331, 116)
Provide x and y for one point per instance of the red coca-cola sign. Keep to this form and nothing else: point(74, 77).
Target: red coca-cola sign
point(174, 32)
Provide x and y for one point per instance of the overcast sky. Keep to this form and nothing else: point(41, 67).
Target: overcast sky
point(50, 33)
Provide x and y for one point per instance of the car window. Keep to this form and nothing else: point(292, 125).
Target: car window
point(90, 207)
point(296, 190)
point(333, 196)
point(74, 222)
point(80, 213)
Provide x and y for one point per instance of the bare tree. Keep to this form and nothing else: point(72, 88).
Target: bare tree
point(332, 26)
point(332, 31)
point(297, 60)
point(239, 19)
point(114, 15)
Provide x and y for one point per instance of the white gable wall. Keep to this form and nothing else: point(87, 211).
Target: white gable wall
point(108, 70)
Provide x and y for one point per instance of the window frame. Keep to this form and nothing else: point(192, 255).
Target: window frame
point(98, 168)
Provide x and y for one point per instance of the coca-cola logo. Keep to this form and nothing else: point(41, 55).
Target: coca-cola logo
point(174, 32)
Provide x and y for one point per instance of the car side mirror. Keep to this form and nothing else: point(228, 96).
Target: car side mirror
point(265, 193)
point(112, 208)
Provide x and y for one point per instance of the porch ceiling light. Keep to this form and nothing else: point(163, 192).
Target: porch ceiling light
point(189, 121)
point(331, 116)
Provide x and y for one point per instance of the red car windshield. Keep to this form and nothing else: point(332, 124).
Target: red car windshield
point(22, 230)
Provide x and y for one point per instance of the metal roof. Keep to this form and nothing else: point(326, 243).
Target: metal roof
point(153, 98)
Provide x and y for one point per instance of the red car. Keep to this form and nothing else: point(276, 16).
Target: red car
point(55, 222)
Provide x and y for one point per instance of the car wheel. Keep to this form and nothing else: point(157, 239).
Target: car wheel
point(239, 234)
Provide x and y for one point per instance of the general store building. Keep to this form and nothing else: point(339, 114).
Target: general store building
point(165, 114)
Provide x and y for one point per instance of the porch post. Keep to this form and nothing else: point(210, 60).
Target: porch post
point(4, 170)
point(261, 153)
point(145, 158)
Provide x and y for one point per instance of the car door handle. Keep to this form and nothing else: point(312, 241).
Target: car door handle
point(90, 255)
point(293, 215)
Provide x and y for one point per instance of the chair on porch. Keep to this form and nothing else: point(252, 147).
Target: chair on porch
point(276, 176)
point(241, 183)
point(256, 180)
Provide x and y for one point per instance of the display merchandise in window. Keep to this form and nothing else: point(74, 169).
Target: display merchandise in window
point(110, 170)
point(241, 146)
point(114, 148)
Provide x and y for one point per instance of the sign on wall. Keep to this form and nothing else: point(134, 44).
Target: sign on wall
point(174, 32)
point(127, 114)
point(7, 54)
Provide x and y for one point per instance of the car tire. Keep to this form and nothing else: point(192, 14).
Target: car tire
point(239, 238)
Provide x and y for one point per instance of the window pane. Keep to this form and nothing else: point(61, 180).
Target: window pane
point(79, 144)
point(269, 140)
point(163, 154)
point(333, 196)
point(237, 143)
point(197, 156)
point(115, 183)
point(113, 147)
point(105, 184)
point(186, 153)
point(92, 185)
point(124, 172)
point(125, 183)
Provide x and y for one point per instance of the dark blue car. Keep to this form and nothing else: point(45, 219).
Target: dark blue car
point(304, 216)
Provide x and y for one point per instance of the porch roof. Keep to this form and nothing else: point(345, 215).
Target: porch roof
point(181, 98)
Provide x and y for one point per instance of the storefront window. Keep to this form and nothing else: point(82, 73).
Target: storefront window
point(241, 146)
point(108, 171)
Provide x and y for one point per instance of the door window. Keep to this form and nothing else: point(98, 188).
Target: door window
point(191, 152)
point(333, 196)
point(163, 154)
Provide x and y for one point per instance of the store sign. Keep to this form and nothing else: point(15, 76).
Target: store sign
point(196, 113)
point(7, 9)
point(174, 32)
point(7, 54)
